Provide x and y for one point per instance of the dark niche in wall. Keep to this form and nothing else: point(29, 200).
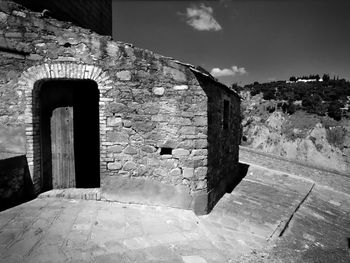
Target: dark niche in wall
point(69, 156)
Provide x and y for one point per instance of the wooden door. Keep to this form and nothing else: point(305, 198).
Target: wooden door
point(62, 148)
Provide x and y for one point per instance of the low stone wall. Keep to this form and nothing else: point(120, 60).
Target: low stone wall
point(15, 182)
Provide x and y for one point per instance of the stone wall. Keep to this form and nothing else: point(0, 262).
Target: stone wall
point(153, 111)
point(93, 14)
point(223, 138)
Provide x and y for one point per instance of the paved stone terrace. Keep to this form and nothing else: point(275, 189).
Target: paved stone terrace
point(269, 217)
point(61, 230)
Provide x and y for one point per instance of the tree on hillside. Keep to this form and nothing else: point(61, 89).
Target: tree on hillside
point(269, 95)
point(314, 104)
point(325, 77)
point(334, 110)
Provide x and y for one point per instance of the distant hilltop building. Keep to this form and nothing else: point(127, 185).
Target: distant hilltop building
point(305, 79)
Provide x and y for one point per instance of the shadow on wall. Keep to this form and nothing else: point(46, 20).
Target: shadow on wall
point(242, 172)
point(16, 185)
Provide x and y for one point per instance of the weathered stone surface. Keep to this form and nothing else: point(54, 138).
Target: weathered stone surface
point(200, 121)
point(34, 57)
point(127, 123)
point(200, 172)
point(180, 120)
point(169, 143)
point(148, 149)
point(187, 144)
point(201, 144)
point(175, 74)
point(187, 172)
point(201, 152)
point(114, 121)
point(116, 107)
point(158, 91)
point(128, 166)
point(180, 87)
point(114, 166)
point(200, 185)
point(175, 172)
point(177, 153)
point(187, 130)
point(118, 137)
point(130, 150)
point(143, 126)
point(124, 75)
point(115, 149)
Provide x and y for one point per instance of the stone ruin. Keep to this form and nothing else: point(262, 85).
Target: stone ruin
point(142, 127)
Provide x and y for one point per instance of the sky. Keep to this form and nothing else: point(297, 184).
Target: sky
point(242, 41)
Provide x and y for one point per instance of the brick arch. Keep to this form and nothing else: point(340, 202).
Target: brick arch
point(51, 71)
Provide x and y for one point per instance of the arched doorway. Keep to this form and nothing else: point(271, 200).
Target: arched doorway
point(69, 133)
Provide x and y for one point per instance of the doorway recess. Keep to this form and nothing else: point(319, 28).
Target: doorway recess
point(69, 134)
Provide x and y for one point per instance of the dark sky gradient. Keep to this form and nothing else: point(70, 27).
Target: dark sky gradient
point(271, 39)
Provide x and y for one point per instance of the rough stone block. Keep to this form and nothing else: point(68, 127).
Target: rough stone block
point(175, 74)
point(159, 91)
point(177, 153)
point(200, 121)
point(124, 75)
point(114, 166)
point(187, 130)
point(127, 123)
point(148, 149)
point(144, 126)
point(115, 149)
point(201, 152)
point(128, 166)
point(175, 172)
point(187, 144)
point(187, 172)
point(180, 87)
point(201, 144)
point(116, 108)
point(118, 137)
point(114, 121)
point(130, 150)
point(201, 172)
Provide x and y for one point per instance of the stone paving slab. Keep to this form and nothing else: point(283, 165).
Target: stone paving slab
point(61, 230)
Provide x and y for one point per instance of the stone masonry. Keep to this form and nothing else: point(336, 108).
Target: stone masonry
point(169, 134)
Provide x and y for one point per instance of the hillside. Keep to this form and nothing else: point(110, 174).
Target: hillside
point(308, 122)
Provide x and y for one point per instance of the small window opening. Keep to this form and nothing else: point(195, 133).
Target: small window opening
point(226, 114)
point(67, 44)
point(165, 150)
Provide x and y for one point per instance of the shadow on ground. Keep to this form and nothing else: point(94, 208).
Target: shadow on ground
point(242, 172)
point(16, 185)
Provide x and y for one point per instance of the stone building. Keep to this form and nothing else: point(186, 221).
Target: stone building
point(89, 112)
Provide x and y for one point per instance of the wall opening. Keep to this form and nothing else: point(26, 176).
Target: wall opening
point(68, 133)
point(165, 151)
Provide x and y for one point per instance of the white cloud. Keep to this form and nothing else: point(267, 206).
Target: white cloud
point(233, 71)
point(201, 18)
